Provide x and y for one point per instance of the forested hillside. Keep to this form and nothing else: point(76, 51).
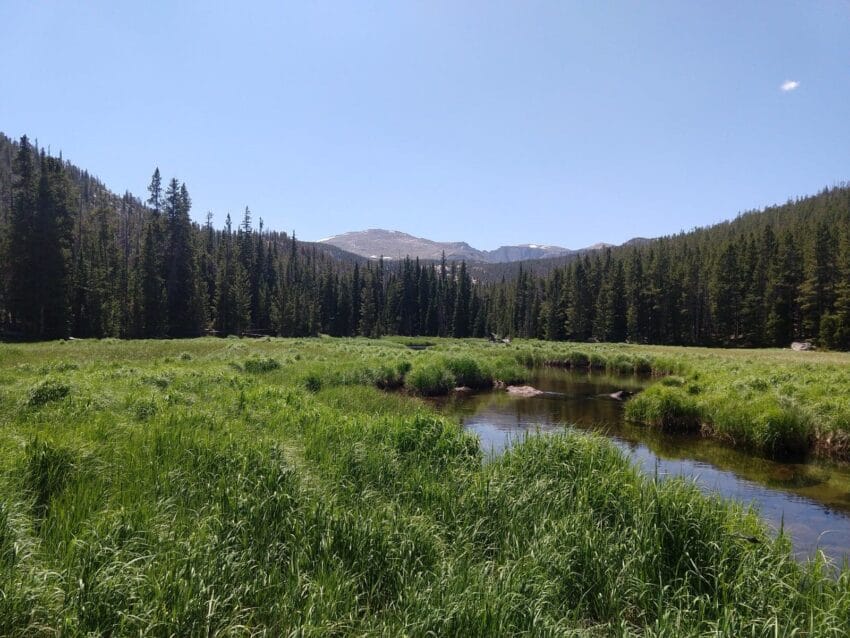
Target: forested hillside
point(80, 261)
point(764, 279)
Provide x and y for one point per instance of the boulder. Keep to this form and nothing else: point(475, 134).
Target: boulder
point(524, 391)
point(802, 346)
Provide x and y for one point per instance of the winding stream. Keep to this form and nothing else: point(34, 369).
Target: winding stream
point(812, 499)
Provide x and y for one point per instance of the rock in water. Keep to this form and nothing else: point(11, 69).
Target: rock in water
point(524, 391)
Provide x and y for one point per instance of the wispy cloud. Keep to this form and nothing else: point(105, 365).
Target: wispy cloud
point(788, 85)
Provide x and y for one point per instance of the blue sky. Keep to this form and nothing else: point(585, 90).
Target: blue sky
point(491, 122)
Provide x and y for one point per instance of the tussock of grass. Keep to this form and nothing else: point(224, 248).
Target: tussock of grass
point(48, 469)
point(258, 365)
point(507, 371)
point(388, 376)
point(431, 379)
point(47, 391)
point(665, 407)
point(467, 372)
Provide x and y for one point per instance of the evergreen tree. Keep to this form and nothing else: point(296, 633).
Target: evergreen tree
point(185, 317)
point(23, 301)
point(461, 319)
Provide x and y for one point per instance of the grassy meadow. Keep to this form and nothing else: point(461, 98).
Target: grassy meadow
point(306, 487)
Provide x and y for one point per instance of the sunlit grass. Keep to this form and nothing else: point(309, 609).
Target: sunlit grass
point(281, 487)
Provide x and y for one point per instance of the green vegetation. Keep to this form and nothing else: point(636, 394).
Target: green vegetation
point(173, 488)
point(77, 260)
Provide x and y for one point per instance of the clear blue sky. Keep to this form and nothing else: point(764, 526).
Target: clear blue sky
point(491, 122)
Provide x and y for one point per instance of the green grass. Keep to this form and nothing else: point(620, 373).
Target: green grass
point(193, 488)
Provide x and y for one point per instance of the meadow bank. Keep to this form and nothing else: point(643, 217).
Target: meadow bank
point(288, 486)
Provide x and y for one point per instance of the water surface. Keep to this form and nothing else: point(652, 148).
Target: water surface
point(812, 500)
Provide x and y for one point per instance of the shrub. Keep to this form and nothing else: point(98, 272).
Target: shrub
point(47, 391)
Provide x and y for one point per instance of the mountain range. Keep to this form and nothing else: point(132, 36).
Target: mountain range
point(393, 244)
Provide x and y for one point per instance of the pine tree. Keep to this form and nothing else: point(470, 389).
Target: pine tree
point(726, 296)
point(817, 292)
point(23, 302)
point(783, 322)
point(181, 285)
point(461, 318)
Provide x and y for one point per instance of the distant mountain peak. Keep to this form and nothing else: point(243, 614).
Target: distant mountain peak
point(395, 244)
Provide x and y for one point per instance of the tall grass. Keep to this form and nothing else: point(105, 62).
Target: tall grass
point(250, 502)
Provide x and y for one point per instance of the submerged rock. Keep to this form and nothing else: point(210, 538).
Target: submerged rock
point(524, 391)
point(462, 389)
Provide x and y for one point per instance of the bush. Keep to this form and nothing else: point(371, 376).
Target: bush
point(259, 365)
point(47, 391)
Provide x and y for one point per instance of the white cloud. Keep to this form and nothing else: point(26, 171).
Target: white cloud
point(788, 85)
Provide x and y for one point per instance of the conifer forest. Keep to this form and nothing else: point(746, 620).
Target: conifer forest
point(79, 261)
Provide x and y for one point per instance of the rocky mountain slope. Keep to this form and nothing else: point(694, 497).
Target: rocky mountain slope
point(393, 244)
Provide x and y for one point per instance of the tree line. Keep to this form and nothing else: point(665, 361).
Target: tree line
point(80, 261)
point(766, 278)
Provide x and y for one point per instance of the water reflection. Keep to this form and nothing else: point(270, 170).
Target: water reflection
point(811, 499)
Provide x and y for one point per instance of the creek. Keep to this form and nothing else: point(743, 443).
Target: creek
point(811, 500)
